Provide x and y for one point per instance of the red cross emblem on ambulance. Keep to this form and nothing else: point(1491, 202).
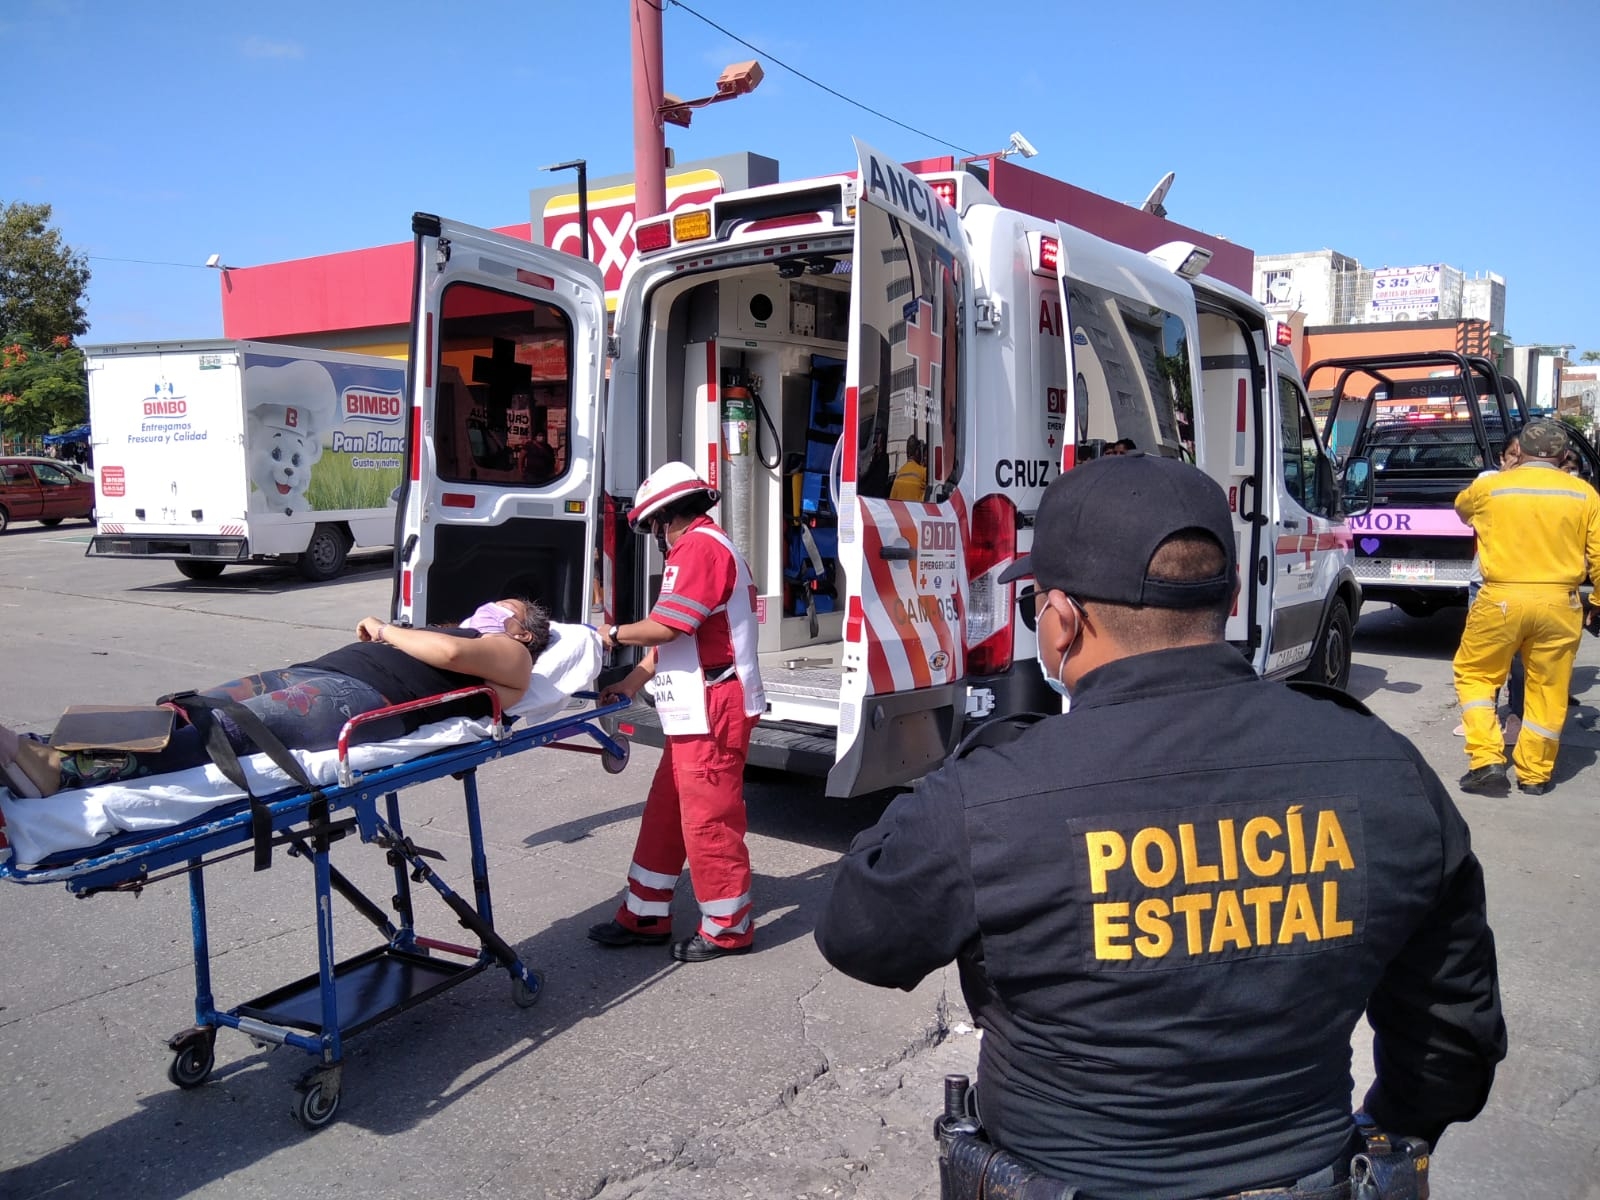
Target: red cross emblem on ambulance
point(924, 344)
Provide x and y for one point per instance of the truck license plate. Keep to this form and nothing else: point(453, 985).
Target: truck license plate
point(1411, 568)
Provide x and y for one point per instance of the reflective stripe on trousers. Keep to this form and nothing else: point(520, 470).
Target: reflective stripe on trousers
point(695, 814)
point(1544, 622)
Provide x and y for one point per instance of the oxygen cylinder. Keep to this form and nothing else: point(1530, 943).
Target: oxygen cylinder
point(739, 463)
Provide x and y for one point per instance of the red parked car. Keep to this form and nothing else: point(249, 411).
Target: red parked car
point(44, 490)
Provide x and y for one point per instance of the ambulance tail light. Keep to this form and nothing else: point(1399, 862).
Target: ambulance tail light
point(990, 550)
point(653, 236)
point(945, 189)
point(1285, 334)
point(1047, 256)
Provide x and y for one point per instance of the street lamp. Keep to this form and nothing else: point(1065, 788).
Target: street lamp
point(737, 79)
point(581, 166)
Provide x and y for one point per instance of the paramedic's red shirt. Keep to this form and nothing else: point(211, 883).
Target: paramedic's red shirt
point(698, 577)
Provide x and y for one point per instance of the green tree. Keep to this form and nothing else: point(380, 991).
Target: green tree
point(42, 389)
point(1590, 356)
point(41, 277)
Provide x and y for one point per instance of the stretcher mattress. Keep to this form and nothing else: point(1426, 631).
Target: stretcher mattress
point(79, 818)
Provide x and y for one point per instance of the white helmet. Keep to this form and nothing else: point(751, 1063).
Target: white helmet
point(667, 483)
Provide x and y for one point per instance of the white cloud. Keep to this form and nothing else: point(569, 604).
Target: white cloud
point(260, 47)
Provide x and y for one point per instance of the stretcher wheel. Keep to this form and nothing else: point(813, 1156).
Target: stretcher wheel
point(316, 1106)
point(616, 764)
point(524, 996)
point(191, 1066)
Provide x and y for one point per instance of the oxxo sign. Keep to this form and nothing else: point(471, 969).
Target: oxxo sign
point(611, 221)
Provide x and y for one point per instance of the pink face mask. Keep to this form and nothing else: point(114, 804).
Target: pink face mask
point(489, 618)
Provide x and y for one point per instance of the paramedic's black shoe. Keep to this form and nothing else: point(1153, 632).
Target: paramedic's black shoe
point(614, 934)
point(697, 949)
point(1487, 780)
point(1533, 789)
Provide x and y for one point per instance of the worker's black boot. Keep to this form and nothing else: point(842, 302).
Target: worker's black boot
point(1487, 780)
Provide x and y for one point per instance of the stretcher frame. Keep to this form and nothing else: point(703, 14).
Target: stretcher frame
point(317, 1012)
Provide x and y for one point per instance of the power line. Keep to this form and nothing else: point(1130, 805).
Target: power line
point(813, 82)
point(148, 262)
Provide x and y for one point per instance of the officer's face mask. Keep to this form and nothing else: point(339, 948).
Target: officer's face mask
point(1053, 679)
point(489, 618)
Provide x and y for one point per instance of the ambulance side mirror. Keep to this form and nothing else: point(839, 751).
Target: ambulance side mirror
point(1357, 489)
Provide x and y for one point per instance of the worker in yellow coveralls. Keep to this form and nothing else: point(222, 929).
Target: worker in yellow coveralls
point(1538, 536)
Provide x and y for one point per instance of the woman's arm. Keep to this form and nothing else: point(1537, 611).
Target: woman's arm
point(500, 661)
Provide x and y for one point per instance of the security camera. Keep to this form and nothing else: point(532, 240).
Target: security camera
point(214, 260)
point(1022, 146)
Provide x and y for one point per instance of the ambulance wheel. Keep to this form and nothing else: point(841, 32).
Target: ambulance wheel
point(315, 1107)
point(1330, 661)
point(325, 553)
point(191, 1066)
point(51, 522)
point(524, 996)
point(616, 764)
point(199, 568)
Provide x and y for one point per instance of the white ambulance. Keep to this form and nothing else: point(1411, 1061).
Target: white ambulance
point(881, 372)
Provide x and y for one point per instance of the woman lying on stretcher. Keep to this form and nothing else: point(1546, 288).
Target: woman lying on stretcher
point(306, 705)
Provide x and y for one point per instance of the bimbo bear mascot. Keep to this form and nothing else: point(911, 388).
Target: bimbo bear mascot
point(290, 406)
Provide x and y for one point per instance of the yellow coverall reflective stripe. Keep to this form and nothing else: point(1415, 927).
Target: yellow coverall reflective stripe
point(1538, 535)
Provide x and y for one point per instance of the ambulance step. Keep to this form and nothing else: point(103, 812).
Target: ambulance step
point(819, 683)
point(778, 746)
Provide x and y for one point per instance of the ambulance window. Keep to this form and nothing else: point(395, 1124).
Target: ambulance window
point(1307, 484)
point(909, 437)
point(504, 388)
point(1131, 372)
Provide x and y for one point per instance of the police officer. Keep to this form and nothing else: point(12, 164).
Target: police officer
point(702, 638)
point(1171, 904)
point(1538, 536)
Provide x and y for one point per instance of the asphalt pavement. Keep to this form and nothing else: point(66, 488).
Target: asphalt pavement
point(769, 1075)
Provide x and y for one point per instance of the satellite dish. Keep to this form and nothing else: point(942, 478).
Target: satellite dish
point(1152, 202)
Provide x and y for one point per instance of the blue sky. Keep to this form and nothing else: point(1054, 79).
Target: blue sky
point(1401, 132)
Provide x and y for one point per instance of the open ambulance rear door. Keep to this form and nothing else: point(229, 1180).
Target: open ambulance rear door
point(901, 522)
point(503, 396)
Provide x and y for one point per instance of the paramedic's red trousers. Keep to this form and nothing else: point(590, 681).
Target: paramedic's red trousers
point(695, 813)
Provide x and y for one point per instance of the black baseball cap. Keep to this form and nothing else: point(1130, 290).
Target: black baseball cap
point(1099, 525)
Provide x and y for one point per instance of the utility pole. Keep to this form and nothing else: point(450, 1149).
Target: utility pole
point(649, 136)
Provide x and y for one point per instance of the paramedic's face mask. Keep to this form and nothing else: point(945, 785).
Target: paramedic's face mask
point(659, 529)
point(490, 618)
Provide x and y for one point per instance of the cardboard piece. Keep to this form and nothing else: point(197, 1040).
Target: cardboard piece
point(142, 729)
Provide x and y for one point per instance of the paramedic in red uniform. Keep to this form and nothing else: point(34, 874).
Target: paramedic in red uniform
point(701, 636)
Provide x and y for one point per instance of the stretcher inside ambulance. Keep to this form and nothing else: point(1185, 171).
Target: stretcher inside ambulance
point(881, 373)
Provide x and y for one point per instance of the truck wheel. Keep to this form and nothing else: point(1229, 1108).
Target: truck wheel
point(5, 518)
point(199, 568)
point(325, 553)
point(1330, 661)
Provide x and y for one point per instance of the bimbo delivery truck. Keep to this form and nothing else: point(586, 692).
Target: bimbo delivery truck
point(218, 452)
point(881, 372)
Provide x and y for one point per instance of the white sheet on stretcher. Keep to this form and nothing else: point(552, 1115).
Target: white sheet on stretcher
point(79, 818)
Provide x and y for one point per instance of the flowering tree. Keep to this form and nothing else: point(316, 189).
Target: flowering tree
point(42, 382)
point(42, 389)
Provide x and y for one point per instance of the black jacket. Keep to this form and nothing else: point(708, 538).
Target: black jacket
point(1170, 906)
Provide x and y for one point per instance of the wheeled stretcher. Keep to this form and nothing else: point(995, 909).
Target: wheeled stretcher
point(341, 998)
